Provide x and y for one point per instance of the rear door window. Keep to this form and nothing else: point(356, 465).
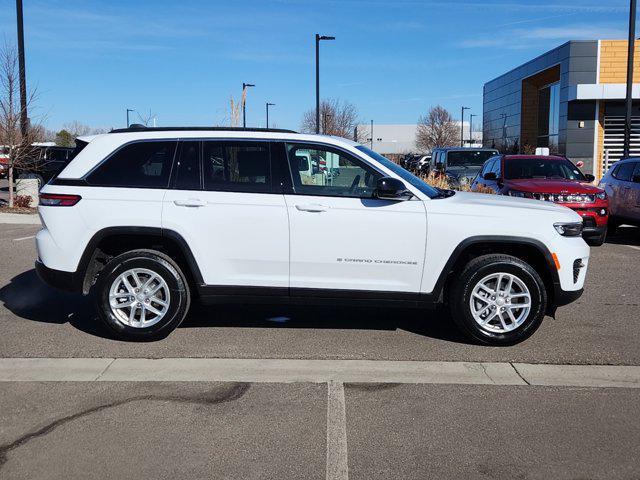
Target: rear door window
point(187, 167)
point(144, 164)
point(236, 166)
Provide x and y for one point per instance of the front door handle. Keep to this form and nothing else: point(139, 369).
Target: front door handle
point(312, 208)
point(190, 202)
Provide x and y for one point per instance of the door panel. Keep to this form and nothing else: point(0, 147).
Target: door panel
point(341, 237)
point(237, 237)
point(356, 244)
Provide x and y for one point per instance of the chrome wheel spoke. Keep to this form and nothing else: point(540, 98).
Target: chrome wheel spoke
point(507, 299)
point(139, 298)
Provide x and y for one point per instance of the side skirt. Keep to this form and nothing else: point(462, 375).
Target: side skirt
point(210, 294)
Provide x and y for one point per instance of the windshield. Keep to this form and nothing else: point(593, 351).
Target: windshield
point(468, 158)
point(541, 168)
point(402, 173)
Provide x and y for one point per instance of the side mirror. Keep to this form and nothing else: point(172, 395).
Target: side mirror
point(490, 176)
point(635, 178)
point(580, 164)
point(590, 178)
point(389, 188)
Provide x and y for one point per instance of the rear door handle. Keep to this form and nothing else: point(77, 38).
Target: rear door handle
point(190, 202)
point(312, 208)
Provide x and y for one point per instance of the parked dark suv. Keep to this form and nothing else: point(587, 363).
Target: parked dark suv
point(460, 165)
point(46, 163)
point(622, 184)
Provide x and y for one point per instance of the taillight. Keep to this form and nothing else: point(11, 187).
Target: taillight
point(58, 200)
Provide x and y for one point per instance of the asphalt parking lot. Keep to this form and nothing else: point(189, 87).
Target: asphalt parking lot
point(299, 427)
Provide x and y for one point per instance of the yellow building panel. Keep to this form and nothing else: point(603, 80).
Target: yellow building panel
point(613, 61)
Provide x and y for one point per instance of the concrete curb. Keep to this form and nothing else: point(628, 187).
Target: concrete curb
point(20, 218)
point(314, 371)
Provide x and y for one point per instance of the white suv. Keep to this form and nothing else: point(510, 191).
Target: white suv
point(147, 219)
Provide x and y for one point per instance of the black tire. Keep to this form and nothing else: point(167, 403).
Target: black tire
point(476, 270)
point(158, 263)
point(612, 226)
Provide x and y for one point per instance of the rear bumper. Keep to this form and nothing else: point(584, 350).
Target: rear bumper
point(67, 281)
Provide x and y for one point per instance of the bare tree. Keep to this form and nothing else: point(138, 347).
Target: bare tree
point(22, 155)
point(336, 118)
point(436, 129)
point(146, 119)
point(77, 129)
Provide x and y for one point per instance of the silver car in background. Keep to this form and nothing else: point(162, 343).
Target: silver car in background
point(622, 184)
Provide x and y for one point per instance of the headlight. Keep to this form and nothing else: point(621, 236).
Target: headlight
point(569, 229)
point(602, 195)
point(519, 194)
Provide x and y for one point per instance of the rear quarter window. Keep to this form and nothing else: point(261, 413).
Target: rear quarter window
point(140, 164)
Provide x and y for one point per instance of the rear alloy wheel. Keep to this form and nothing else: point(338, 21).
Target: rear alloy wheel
point(498, 300)
point(139, 298)
point(142, 295)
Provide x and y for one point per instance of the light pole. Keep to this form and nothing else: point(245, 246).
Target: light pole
point(462, 126)
point(471, 115)
point(629, 98)
point(129, 110)
point(269, 105)
point(318, 38)
point(371, 134)
point(244, 103)
point(24, 119)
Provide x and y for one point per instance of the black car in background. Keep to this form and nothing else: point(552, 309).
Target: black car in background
point(46, 163)
point(415, 163)
point(460, 164)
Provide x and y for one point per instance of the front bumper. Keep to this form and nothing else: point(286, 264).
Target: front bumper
point(564, 297)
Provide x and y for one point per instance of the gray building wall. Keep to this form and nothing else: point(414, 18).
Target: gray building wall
point(503, 96)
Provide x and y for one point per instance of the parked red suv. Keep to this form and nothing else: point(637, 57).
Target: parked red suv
point(552, 179)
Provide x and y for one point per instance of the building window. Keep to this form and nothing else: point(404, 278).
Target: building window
point(549, 116)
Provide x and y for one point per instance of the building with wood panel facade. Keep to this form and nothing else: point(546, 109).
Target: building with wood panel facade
point(570, 99)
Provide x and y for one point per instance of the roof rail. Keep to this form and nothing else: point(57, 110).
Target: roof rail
point(142, 128)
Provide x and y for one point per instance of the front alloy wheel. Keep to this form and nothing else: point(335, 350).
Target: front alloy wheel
point(500, 302)
point(498, 299)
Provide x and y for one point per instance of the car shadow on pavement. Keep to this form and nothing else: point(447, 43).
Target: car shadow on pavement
point(625, 235)
point(27, 297)
point(429, 323)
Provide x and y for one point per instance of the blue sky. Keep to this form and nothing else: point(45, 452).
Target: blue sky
point(90, 60)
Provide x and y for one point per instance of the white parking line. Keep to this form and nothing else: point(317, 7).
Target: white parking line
point(337, 460)
point(24, 238)
point(315, 371)
point(633, 246)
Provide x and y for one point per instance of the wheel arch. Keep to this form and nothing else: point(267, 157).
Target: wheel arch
point(112, 241)
point(529, 250)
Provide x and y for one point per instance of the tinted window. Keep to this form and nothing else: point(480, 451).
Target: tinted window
point(140, 164)
point(236, 166)
point(187, 168)
point(623, 172)
point(327, 172)
point(468, 158)
point(541, 168)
